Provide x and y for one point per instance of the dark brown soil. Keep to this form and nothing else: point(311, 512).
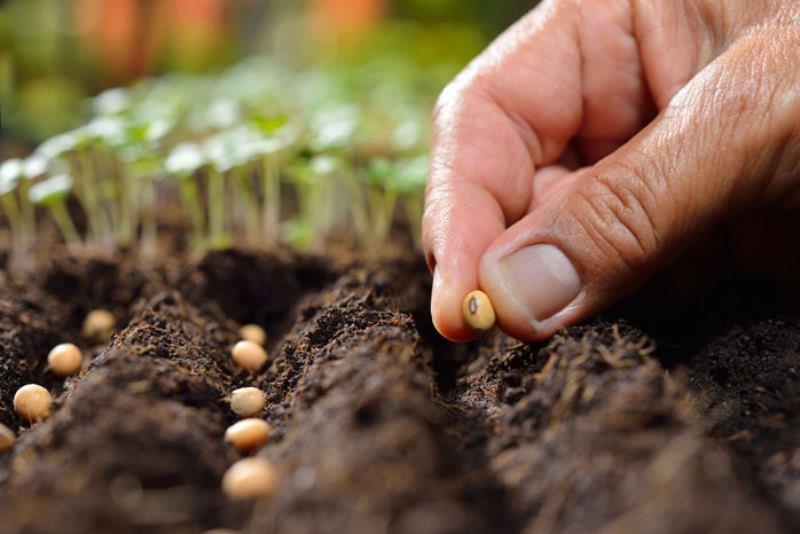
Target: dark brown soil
point(378, 424)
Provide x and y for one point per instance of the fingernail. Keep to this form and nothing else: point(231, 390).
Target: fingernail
point(541, 279)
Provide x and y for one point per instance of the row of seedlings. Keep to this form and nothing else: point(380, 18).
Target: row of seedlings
point(344, 155)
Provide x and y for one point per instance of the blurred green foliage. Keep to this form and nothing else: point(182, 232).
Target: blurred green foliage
point(48, 67)
point(260, 154)
point(42, 79)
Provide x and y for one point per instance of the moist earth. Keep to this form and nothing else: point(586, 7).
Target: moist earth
point(378, 425)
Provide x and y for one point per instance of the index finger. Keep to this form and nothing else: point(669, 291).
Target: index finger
point(484, 158)
point(513, 110)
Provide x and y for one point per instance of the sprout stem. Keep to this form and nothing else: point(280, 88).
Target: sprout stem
point(243, 181)
point(216, 209)
point(191, 202)
point(64, 222)
point(27, 212)
point(272, 201)
point(357, 207)
point(383, 203)
point(148, 216)
point(125, 218)
point(414, 205)
point(87, 188)
point(12, 210)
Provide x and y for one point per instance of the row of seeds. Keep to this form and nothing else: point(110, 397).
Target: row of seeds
point(34, 402)
point(248, 478)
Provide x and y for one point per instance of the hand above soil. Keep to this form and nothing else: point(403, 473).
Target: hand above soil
point(596, 141)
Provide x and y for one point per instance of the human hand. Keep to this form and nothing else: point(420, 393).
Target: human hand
point(683, 114)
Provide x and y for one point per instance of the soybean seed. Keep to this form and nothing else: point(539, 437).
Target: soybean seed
point(248, 434)
point(33, 402)
point(247, 402)
point(478, 312)
point(98, 326)
point(65, 360)
point(254, 333)
point(249, 355)
point(7, 438)
point(250, 478)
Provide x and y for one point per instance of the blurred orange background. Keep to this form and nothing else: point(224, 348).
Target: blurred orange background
point(55, 53)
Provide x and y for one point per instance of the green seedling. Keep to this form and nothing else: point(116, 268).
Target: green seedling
point(222, 156)
point(334, 128)
point(53, 193)
point(409, 181)
point(111, 102)
point(133, 192)
point(315, 190)
point(11, 173)
point(73, 148)
point(33, 168)
point(382, 194)
point(141, 170)
point(272, 154)
point(184, 163)
point(345, 140)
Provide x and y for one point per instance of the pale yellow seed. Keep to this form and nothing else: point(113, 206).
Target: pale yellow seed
point(65, 360)
point(250, 478)
point(478, 312)
point(254, 333)
point(7, 438)
point(248, 434)
point(98, 326)
point(247, 402)
point(33, 402)
point(249, 355)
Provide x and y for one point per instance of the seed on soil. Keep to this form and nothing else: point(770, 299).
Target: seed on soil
point(248, 434)
point(254, 333)
point(247, 402)
point(33, 402)
point(249, 355)
point(250, 478)
point(478, 312)
point(65, 360)
point(7, 438)
point(98, 326)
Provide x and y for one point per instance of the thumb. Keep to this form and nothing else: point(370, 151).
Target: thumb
point(719, 146)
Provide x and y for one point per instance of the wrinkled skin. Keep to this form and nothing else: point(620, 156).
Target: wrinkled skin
point(619, 133)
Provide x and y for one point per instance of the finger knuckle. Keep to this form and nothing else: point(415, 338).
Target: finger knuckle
point(615, 209)
point(453, 106)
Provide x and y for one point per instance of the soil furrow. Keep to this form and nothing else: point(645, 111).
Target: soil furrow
point(366, 448)
point(745, 383)
point(30, 325)
point(136, 446)
point(378, 424)
point(590, 434)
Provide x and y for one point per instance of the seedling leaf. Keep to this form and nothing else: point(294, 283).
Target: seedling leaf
point(54, 188)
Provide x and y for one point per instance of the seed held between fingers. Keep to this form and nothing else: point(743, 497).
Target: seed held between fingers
point(248, 434)
point(33, 402)
point(65, 360)
point(248, 402)
point(478, 312)
point(98, 326)
point(7, 438)
point(249, 355)
point(250, 478)
point(254, 333)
